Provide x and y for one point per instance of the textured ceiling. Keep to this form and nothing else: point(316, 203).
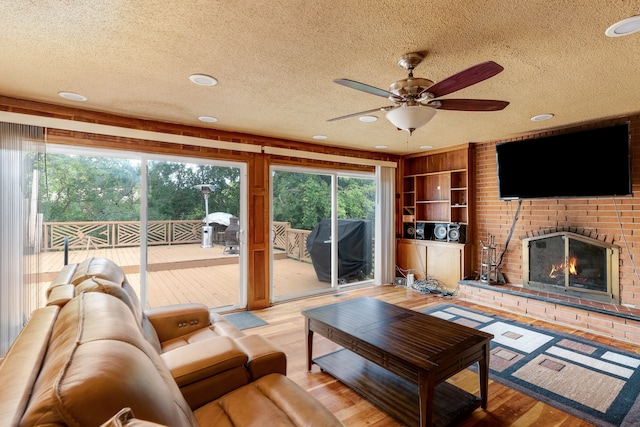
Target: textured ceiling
point(276, 60)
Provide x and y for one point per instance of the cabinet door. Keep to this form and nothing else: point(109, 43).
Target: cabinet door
point(411, 256)
point(445, 263)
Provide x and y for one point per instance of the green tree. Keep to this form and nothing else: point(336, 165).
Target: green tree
point(356, 198)
point(82, 188)
point(301, 199)
point(172, 195)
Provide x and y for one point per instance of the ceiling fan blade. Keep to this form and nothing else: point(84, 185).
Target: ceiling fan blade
point(468, 104)
point(387, 108)
point(366, 88)
point(466, 78)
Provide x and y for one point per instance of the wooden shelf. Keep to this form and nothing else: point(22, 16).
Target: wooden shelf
point(437, 191)
point(437, 186)
point(395, 395)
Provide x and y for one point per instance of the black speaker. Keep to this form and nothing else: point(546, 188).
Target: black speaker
point(457, 233)
point(420, 231)
point(440, 231)
point(409, 231)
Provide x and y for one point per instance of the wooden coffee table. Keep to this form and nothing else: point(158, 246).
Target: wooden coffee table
point(399, 359)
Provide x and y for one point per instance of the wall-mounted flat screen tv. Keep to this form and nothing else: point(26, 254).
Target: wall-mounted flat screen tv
point(588, 163)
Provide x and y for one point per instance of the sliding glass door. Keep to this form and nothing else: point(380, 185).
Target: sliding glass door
point(147, 214)
point(193, 235)
point(308, 209)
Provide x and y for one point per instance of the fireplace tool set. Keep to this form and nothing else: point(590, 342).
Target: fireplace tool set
point(488, 262)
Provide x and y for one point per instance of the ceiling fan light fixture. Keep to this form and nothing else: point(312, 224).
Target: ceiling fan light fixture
point(410, 117)
point(624, 27)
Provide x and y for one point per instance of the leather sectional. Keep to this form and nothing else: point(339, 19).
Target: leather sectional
point(93, 356)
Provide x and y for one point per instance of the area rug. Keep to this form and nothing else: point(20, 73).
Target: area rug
point(594, 382)
point(245, 320)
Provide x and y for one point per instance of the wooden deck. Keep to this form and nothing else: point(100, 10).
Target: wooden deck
point(188, 273)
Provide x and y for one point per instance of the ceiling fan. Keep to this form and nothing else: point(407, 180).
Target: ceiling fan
point(417, 99)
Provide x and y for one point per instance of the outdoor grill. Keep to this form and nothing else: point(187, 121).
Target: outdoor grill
point(355, 249)
point(231, 243)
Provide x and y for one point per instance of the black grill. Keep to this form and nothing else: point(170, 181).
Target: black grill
point(231, 243)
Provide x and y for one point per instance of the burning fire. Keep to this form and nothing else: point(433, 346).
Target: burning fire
point(559, 269)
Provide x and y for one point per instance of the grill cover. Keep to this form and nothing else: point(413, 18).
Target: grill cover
point(355, 249)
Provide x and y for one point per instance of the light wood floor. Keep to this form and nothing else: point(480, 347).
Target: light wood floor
point(506, 407)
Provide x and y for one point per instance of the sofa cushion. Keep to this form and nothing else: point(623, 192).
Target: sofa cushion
point(204, 359)
point(274, 399)
point(97, 284)
point(98, 267)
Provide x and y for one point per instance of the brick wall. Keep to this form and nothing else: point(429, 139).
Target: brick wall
point(604, 216)
point(617, 327)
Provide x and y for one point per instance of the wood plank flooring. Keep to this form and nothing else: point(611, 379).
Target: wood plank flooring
point(506, 407)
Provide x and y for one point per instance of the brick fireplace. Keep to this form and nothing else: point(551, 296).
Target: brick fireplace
point(614, 220)
point(572, 264)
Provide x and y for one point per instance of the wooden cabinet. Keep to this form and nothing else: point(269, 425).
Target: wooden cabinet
point(447, 262)
point(436, 194)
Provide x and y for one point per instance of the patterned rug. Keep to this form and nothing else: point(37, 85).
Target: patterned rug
point(594, 382)
point(245, 320)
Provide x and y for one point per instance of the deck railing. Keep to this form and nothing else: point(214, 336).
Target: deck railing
point(118, 234)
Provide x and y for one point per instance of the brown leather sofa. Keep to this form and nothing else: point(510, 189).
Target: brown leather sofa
point(201, 349)
point(81, 363)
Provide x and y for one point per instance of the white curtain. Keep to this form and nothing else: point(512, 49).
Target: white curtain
point(20, 146)
point(385, 225)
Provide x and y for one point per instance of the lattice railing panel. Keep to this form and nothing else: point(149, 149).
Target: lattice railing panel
point(158, 233)
point(118, 233)
point(297, 244)
point(186, 231)
point(306, 256)
point(80, 234)
point(280, 234)
point(128, 233)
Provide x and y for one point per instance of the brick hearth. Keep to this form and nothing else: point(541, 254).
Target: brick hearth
point(611, 320)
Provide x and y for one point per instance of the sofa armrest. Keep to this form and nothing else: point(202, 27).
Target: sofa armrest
point(203, 359)
point(177, 320)
point(264, 357)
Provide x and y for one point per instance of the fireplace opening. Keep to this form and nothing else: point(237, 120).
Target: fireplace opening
point(573, 264)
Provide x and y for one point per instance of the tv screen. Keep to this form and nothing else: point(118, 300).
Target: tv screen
point(588, 163)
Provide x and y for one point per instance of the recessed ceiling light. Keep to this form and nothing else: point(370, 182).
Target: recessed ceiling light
point(368, 119)
point(624, 27)
point(72, 96)
point(541, 117)
point(381, 147)
point(207, 119)
point(426, 147)
point(203, 80)
point(320, 137)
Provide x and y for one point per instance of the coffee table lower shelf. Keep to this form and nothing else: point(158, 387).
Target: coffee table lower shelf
point(394, 395)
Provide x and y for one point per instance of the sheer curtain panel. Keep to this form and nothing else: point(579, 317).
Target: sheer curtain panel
point(385, 225)
point(20, 148)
